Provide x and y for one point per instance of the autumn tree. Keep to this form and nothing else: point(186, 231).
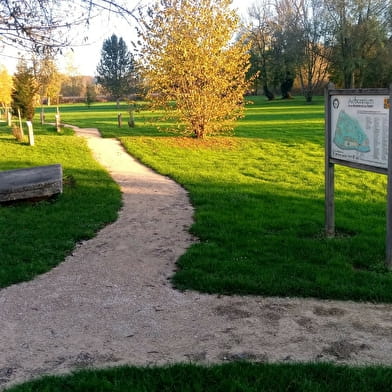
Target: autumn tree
point(116, 67)
point(48, 78)
point(73, 83)
point(24, 96)
point(189, 58)
point(5, 88)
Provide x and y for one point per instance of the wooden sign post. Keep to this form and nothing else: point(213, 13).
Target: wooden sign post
point(358, 125)
point(58, 122)
point(9, 117)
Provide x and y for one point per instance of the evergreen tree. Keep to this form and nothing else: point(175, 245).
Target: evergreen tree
point(25, 91)
point(115, 68)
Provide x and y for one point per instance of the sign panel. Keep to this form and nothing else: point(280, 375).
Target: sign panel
point(360, 129)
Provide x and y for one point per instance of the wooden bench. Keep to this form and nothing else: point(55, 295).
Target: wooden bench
point(32, 183)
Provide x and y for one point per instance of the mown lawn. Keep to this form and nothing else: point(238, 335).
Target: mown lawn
point(259, 199)
point(259, 215)
point(104, 116)
point(35, 237)
point(232, 377)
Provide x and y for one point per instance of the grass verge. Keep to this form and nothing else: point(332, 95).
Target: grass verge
point(35, 237)
point(232, 377)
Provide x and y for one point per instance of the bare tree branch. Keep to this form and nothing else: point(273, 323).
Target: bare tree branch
point(46, 25)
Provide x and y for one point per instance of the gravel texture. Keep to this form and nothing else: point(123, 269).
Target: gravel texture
point(110, 302)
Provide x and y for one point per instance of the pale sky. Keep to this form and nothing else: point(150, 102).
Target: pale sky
point(86, 57)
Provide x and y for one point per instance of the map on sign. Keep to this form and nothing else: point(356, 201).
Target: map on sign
point(360, 127)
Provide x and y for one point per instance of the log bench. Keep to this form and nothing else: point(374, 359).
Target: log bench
point(31, 183)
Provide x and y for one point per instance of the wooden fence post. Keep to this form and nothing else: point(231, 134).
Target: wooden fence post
point(31, 133)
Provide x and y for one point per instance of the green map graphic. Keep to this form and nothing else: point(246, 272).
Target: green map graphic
point(349, 134)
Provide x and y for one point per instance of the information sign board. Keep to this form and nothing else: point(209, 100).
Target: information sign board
point(360, 128)
point(358, 134)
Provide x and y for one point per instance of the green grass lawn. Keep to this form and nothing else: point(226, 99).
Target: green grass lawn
point(232, 377)
point(104, 117)
point(259, 215)
point(36, 237)
point(259, 199)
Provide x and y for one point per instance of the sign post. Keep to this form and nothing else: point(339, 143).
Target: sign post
point(358, 125)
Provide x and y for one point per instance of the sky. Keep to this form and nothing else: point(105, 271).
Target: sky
point(86, 57)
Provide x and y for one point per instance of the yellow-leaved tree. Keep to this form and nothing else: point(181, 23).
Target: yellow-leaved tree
point(48, 78)
point(5, 87)
point(191, 64)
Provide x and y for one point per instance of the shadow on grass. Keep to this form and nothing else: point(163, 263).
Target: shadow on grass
point(34, 237)
point(257, 241)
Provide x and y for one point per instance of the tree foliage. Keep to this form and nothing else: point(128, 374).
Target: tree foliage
point(189, 58)
point(260, 34)
point(24, 96)
point(6, 86)
point(91, 95)
point(48, 78)
point(348, 41)
point(116, 67)
point(360, 31)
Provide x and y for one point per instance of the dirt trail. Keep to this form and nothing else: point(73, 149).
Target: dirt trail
point(110, 302)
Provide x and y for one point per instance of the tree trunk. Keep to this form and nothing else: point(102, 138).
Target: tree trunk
point(268, 93)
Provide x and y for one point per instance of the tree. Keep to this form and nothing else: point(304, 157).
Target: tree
point(6, 86)
point(91, 95)
point(286, 47)
point(359, 30)
point(73, 84)
point(259, 34)
point(115, 67)
point(275, 43)
point(189, 58)
point(303, 23)
point(48, 78)
point(25, 91)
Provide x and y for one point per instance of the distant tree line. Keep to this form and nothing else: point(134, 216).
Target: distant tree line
point(345, 41)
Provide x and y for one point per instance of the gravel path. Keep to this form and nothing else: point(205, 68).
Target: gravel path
point(110, 302)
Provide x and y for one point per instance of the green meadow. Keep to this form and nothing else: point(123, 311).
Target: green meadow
point(259, 200)
point(258, 195)
point(35, 237)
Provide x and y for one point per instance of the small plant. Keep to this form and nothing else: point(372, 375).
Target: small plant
point(17, 132)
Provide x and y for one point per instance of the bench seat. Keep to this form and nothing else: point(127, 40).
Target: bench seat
point(31, 183)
